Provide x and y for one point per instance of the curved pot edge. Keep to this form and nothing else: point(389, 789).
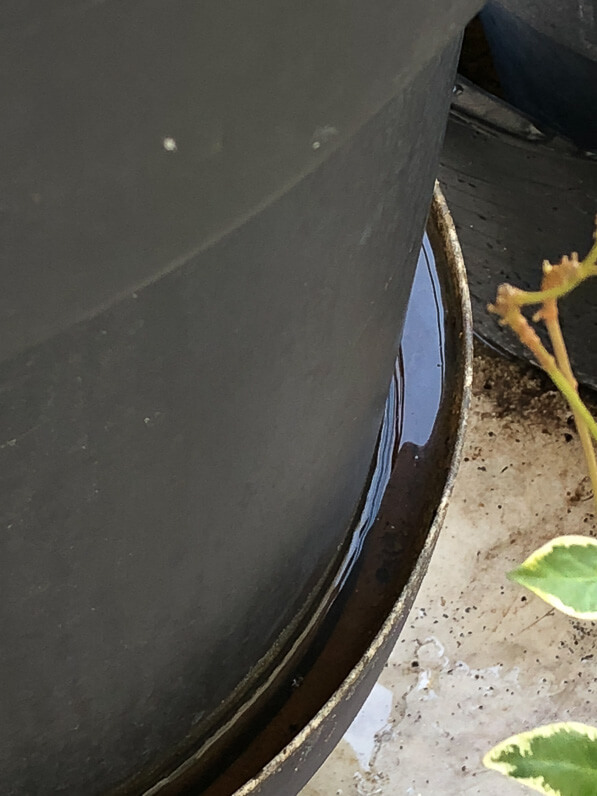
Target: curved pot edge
point(354, 688)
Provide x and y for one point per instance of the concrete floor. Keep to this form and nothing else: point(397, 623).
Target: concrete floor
point(480, 658)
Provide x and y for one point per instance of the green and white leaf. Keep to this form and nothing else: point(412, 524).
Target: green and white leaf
point(563, 573)
point(557, 759)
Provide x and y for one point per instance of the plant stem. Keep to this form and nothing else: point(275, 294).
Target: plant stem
point(558, 280)
point(552, 323)
point(513, 317)
point(572, 397)
point(578, 273)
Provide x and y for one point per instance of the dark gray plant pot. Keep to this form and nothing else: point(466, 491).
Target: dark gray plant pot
point(211, 216)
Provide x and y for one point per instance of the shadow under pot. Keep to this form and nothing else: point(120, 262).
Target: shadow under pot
point(517, 166)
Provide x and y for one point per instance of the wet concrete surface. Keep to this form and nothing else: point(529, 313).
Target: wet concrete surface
point(481, 658)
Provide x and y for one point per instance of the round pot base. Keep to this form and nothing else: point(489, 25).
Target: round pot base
point(277, 743)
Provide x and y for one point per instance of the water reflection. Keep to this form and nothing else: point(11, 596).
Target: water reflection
point(415, 392)
point(421, 388)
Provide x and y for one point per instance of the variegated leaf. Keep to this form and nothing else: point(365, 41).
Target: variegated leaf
point(563, 573)
point(557, 759)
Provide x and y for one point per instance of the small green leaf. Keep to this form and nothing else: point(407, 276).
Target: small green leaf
point(563, 573)
point(558, 759)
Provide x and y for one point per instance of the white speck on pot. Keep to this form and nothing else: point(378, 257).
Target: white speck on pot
point(366, 234)
point(169, 144)
point(323, 135)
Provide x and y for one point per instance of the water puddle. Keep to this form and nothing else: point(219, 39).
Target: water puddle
point(373, 718)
